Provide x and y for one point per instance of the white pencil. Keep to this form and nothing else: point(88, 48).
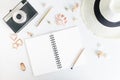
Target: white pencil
point(81, 51)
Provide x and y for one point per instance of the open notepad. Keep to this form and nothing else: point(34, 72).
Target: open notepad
point(54, 51)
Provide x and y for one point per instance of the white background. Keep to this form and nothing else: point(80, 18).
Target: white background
point(93, 68)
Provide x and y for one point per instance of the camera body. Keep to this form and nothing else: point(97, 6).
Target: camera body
point(20, 16)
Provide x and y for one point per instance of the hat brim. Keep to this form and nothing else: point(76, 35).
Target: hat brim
point(89, 18)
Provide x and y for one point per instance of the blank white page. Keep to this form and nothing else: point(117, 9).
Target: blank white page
point(69, 44)
point(41, 55)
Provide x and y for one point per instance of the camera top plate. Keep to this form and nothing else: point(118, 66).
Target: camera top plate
point(18, 7)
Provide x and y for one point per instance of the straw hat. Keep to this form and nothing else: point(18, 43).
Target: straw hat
point(102, 17)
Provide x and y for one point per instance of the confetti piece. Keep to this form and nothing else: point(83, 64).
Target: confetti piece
point(66, 8)
point(48, 22)
point(43, 4)
point(22, 66)
point(100, 54)
point(30, 34)
point(75, 7)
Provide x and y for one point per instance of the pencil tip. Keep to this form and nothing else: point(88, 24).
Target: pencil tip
point(71, 67)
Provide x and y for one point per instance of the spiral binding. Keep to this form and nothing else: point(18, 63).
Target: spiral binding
point(55, 50)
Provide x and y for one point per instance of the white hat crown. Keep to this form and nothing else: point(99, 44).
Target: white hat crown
point(115, 6)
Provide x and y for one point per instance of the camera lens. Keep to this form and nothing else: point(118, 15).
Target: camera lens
point(19, 16)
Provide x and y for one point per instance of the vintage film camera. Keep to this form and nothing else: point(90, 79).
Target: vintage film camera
point(21, 15)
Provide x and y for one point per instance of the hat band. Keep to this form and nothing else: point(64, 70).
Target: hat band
point(101, 18)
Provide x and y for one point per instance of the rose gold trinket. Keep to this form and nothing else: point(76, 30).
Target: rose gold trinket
point(61, 19)
point(13, 37)
point(17, 43)
point(22, 66)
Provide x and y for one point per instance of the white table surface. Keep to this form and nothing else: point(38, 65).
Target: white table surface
point(91, 68)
